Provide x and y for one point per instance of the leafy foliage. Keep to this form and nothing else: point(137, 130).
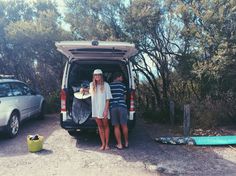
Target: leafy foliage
point(187, 49)
point(28, 35)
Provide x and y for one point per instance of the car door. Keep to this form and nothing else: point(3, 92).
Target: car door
point(5, 93)
point(33, 99)
point(7, 103)
point(24, 101)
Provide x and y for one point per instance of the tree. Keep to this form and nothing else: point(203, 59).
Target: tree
point(141, 22)
point(208, 32)
point(28, 34)
point(209, 29)
point(96, 19)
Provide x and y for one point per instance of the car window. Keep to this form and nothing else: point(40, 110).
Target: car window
point(26, 89)
point(19, 89)
point(5, 90)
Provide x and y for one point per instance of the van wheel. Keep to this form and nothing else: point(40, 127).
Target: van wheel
point(13, 125)
point(73, 133)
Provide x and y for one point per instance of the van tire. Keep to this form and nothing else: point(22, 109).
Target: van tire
point(13, 125)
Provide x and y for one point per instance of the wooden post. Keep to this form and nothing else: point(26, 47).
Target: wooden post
point(186, 120)
point(172, 112)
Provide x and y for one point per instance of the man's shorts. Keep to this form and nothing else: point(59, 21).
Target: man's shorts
point(119, 116)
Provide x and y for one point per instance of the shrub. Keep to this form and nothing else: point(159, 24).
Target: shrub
point(53, 102)
point(210, 113)
point(155, 116)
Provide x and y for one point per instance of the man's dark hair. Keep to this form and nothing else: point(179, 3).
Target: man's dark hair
point(116, 75)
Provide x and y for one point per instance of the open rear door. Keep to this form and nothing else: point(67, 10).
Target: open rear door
point(96, 50)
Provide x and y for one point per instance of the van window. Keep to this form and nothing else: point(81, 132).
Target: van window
point(5, 90)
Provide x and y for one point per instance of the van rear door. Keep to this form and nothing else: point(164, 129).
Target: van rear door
point(96, 50)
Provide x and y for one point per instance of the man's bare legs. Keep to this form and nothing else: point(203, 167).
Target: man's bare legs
point(125, 133)
point(118, 136)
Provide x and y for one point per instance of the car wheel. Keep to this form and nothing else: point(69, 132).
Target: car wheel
point(13, 125)
point(42, 112)
point(73, 133)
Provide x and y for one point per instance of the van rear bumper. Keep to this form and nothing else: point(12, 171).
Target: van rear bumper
point(89, 124)
point(69, 124)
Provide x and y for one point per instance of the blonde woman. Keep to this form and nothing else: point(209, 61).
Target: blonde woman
point(100, 95)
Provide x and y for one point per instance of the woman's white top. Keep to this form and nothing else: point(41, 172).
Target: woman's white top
point(99, 98)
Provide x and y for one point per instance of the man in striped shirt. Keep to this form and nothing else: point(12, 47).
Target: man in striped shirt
point(118, 110)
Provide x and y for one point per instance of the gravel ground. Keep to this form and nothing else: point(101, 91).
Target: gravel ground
point(66, 155)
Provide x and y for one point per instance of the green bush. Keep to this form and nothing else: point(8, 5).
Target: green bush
point(210, 113)
point(53, 102)
point(155, 116)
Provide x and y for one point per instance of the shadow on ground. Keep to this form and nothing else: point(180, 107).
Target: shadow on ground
point(165, 159)
point(33, 126)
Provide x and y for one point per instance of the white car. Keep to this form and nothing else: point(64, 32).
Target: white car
point(83, 57)
point(17, 103)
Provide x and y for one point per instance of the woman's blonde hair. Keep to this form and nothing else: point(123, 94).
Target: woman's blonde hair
point(95, 84)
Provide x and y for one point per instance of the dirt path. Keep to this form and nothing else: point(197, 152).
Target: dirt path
point(65, 155)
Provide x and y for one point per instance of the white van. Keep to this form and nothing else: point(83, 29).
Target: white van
point(83, 57)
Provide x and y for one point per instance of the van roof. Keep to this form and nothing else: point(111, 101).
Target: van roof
point(96, 49)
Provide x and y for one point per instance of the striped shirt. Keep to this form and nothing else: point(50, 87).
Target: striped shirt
point(118, 91)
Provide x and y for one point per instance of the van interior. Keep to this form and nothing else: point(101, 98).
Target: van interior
point(82, 71)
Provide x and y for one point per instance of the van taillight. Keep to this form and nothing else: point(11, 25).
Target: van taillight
point(132, 96)
point(63, 100)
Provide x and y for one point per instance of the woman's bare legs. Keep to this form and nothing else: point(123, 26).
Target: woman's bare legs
point(101, 133)
point(107, 132)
